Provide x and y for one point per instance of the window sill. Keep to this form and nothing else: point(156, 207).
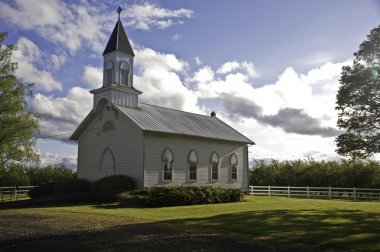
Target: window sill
point(166, 181)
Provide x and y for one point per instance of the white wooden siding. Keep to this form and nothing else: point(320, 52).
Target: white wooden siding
point(155, 144)
point(125, 142)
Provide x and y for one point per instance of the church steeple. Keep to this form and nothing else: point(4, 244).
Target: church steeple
point(118, 70)
point(118, 41)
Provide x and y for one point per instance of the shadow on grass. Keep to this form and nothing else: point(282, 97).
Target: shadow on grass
point(243, 231)
point(147, 237)
point(342, 229)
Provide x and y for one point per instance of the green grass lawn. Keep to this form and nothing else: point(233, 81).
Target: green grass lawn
point(336, 224)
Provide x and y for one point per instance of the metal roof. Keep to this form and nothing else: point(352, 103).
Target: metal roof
point(119, 41)
point(152, 118)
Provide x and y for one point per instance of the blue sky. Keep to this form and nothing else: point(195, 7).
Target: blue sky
point(268, 68)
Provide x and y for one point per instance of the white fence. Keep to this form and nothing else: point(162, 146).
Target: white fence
point(316, 192)
point(14, 192)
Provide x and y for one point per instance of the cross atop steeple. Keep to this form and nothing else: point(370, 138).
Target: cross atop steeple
point(119, 10)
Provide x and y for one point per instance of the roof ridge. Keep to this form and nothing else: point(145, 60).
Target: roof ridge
point(177, 110)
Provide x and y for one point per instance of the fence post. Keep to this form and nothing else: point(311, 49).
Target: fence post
point(307, 192)
point(288, 191)
point(251, 189)
point(269, 191)
point(16, 192)
point(330, 192)
point(354, 193)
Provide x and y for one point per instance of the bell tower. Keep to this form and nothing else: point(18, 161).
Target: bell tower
point(117, 70)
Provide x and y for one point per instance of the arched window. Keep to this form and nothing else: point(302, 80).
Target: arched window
point(214, 166)
point(108, 126)
point(234, 163)
point(124, 73)
point(193, 163)
point(107, 162)
point(109, 73)
point(167, 160)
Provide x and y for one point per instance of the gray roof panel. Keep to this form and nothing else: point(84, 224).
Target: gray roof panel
point(164, 120)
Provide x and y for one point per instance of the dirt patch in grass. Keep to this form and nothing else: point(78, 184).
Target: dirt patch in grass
point(61, 231)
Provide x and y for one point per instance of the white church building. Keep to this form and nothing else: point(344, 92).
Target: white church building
point(154, 145)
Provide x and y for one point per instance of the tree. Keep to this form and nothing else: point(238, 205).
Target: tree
point(16, 123)
point(358, 101)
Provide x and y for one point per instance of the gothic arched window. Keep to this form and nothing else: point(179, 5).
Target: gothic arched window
point(167, 160)
point(109, 73)
point(234, 163)
point(214, 166)
point(193, 163)
point(124, 73)
point(107, 162)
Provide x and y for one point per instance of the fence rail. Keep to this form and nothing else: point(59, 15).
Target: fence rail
point(316, 192)
point(14, 192)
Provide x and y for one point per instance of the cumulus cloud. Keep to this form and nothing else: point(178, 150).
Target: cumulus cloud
point(160, 80)
point(59, 116)
point(233, 66)
point(26, 57)
point(82, 23)
point(297, 121)
point(147, 15)
point(93, 76)
point(56, 160)
point(288, 119)
point(69, 25)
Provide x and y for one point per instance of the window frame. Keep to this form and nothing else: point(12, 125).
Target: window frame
point(214, 166)
point(109, 73)
point(125, 73)
point(167, 165)
point(193, 161)
point(234, 161)
point(102, 159)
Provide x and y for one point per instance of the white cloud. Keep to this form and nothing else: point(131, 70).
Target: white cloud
point(69, 25)
point(177, 37)
point(58, 61)
point(234, 66)
point(146, 16)
point(93, 76)
point(149, 59)
point(84, 24)
point(203, 75)
point(198, 60)
point(28, 55)
point(48, 158)
point(160, 81)
point(61, 115)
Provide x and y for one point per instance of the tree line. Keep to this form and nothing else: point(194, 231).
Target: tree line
point(17, 174)
point(365, 174)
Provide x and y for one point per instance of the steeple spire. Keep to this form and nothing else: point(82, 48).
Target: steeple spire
point(119, 40)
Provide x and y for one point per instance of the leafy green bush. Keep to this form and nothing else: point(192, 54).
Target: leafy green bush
point(60, 187)
point(179, 195)
point(106, 189)
point(71, 185)
point(317, 173)
point(45, 189)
